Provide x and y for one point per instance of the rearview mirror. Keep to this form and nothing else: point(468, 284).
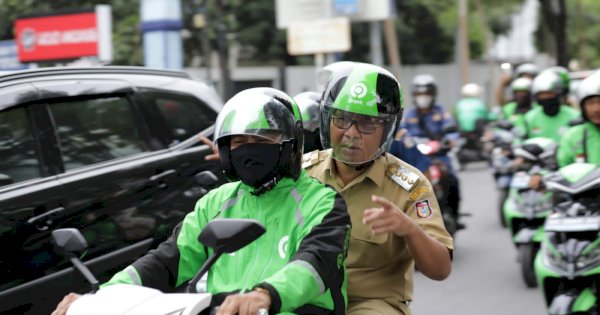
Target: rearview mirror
point(229, 235)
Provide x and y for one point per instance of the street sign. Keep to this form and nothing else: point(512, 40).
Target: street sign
point(65, 36)
point(290, 11)
point(319, 36)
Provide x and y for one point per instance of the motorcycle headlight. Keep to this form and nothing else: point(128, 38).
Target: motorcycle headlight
point(588, 259)
point(553, 258)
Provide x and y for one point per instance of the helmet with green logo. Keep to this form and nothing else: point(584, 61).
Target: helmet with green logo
point(362, 92)
point(589, 87)
point(521, 84)
point(267, 113)
point(563, 73)
point(547, 81)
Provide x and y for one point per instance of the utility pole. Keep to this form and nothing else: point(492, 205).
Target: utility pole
point(393, 48)
point(463, 41)
point(223, 48)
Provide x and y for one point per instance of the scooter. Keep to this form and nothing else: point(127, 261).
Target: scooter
point(499, 140)
point(568, 265)
point(222, 235)
point(526, 208)
point(439, 176)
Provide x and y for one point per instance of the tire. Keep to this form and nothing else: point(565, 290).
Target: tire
point(502, 195)
point(526, 256)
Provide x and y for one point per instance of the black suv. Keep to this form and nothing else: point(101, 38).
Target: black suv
point(112, 151)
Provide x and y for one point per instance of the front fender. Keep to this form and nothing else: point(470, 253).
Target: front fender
point(573, 302)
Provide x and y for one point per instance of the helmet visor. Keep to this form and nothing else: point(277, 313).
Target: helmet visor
point(255, 115)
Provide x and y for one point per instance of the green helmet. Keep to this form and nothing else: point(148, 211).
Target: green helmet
point(263, 112)
point(547, 81)
point(521, 84)
point(563, 73)
point(367, 92)
point(589, 87)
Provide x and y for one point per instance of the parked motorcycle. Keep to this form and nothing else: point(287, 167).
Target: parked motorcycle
point(222, 235)
point(568, 265)
point(526, 208)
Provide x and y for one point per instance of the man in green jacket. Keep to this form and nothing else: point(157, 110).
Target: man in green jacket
point(298, 265)
point(582, 142)
point(522, 103)
point(550, 119)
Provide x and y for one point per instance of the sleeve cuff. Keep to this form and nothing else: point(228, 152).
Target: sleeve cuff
point(275, 298)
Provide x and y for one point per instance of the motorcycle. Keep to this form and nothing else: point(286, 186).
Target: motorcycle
point(526, 208)
point(568, 265)
point(439, 176)
point(222, 235)
point(499, 140)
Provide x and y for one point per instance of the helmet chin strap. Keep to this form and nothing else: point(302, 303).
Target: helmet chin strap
point(266, 186)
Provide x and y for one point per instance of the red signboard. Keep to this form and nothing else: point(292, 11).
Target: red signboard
point(57, 37)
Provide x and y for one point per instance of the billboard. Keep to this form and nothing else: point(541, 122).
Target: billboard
point(65, 36)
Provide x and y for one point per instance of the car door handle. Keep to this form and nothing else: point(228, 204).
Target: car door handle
point(44, 220)
point(162, 175)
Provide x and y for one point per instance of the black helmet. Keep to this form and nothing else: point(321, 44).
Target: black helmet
point(364, 90)
point(263, 112)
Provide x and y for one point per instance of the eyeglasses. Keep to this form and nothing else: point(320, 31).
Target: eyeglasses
point(365, 125)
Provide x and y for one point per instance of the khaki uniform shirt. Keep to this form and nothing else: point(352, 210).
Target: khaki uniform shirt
point(381, 266)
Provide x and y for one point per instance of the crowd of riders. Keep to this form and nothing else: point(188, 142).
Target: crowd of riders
point(359, 186)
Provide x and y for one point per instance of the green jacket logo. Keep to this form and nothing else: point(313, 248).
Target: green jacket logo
point(283, 246)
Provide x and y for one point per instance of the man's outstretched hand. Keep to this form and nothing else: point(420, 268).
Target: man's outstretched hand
point(211, 145)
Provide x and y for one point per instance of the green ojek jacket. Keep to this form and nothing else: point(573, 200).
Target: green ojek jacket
point(538, 124)
point(300, 259)
point(580, 144)
point(468, 111)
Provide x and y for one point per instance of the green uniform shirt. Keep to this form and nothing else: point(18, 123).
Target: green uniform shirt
point(380, 267)
point(573, 149)
point(300, 259)
point(468, 111)
point(538, 124)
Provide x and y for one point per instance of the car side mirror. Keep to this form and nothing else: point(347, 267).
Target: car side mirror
point(71, 244)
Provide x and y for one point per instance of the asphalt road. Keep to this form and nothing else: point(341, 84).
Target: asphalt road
point(485, 276)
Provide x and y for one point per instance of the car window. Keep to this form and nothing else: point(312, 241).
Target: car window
point(185, 115)
point(19, 160)
point(95, 130)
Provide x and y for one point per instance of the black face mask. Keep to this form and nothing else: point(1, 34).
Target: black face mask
point(551, 106)
point(255, 163)
point(523, 102)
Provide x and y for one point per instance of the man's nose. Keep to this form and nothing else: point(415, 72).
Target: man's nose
point(353, 131)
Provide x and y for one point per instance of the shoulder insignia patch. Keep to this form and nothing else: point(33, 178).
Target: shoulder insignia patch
point(423, 209)
point(436, 117)
point(418, 192)
point(312, 158)
point(402, 176)
point(413, 120)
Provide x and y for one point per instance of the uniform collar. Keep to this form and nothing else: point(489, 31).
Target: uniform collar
point(376, 172)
